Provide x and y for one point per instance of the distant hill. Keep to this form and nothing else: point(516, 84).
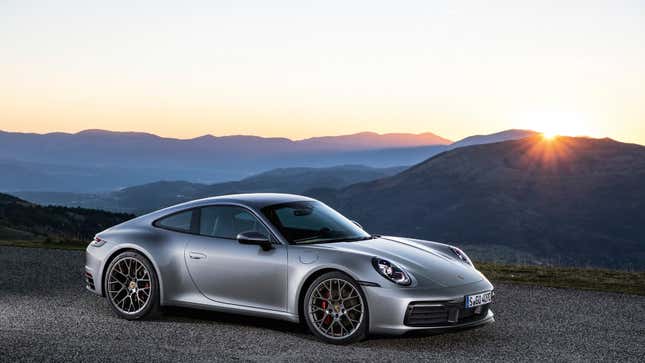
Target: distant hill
point(21, 220)
point(576, 201)
point(147, 197)
point(98, 160)
point(371, 140)
point(506, 135)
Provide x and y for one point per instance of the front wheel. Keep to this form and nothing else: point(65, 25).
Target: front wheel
point(335, 309)
point(131, 286)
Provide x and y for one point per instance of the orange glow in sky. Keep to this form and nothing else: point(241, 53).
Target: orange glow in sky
point(299, 69)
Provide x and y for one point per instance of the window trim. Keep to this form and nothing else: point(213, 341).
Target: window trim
point(195, 223)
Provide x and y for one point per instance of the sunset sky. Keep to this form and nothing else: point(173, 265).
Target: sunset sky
point(300, 69)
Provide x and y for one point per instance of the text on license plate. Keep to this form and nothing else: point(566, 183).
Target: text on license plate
point(478, 299)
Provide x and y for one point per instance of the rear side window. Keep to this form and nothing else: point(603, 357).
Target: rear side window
point(178, 222)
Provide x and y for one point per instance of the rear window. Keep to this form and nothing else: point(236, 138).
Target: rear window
point(177, 222)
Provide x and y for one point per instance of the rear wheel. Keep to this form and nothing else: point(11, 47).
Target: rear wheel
point(335, 309)
point(131, 286)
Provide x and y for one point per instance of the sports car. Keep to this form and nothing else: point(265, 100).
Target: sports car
point(286, 257)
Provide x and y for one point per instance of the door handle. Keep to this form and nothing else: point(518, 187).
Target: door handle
point(196, 255)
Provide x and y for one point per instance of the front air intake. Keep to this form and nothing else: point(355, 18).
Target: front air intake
point(434, 314)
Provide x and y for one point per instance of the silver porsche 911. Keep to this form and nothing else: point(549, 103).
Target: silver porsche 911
point(286, 257)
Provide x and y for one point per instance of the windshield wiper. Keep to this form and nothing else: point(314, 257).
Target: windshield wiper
point(345, 239)
point(359, 238)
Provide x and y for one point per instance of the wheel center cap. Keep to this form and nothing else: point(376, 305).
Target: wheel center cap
point(337, 308)
point(133, 285)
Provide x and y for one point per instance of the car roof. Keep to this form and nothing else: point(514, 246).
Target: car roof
point(253, 200)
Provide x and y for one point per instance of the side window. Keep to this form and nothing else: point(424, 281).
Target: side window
point(178, 222)
point(228, 221)
point(244, 221)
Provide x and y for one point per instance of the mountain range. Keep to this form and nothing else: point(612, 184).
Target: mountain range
point(98, 160)
point(568, 201)
point(148, 197)
point(572, 201)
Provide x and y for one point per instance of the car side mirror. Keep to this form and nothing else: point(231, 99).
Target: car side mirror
point(358, 224)
point(255, 238)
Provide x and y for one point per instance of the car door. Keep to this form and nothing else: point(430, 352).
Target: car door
point(229, 272)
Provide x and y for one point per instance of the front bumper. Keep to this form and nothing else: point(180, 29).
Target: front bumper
point(390, 306)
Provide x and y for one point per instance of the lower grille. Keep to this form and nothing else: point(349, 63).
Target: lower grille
point(433, 314)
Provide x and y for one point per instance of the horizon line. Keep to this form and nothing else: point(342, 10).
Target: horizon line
point(449, 141)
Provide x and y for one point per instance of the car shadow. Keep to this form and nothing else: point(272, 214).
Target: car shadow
point(197, 316)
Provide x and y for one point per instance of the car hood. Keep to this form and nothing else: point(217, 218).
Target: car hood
point(428, 265)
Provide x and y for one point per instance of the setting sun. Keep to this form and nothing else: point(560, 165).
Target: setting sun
point(558, 123)
point(549, 135)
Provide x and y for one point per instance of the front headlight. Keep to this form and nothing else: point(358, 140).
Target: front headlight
point(461, 255)
point(391, 271)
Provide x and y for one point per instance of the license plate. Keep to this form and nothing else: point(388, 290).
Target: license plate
point(478, 299)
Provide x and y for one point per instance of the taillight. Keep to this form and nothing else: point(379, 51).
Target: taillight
point(98, 242)
point(461, 255)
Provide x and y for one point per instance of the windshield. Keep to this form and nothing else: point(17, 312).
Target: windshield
point(312, 222)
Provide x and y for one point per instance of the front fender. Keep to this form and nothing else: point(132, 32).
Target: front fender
point(358, 267)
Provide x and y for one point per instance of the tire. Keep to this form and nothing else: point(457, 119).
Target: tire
point(130, 279)
point(330, 318)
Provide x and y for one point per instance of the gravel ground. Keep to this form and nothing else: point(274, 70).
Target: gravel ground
point(46, 314)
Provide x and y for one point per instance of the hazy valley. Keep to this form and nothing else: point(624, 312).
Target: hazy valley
point(96, 160)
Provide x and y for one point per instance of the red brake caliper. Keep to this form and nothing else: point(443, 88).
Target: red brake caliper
point(324, 306)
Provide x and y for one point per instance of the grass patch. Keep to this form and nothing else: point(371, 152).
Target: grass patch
point(61, 245)
point(567, 277)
